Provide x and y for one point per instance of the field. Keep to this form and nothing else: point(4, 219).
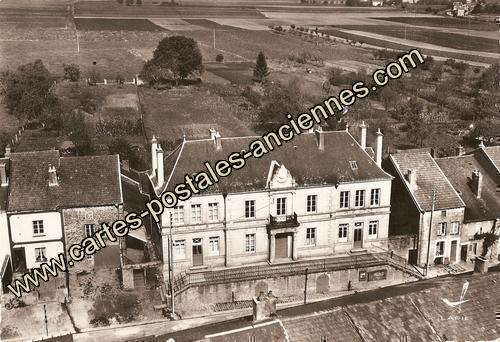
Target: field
point(91, 24)
point(450, 40)
point(444, 22)
point(193, 112)
point(47, 16)
point(113, 9)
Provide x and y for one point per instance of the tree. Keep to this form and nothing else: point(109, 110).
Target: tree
point(281, 100)
point(489, 239)
point(261, 71)
point(417, 129)
point(178, 56)
point(71, 72)
point(490, 78)
point(28, 90)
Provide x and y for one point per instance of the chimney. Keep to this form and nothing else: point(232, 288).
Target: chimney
point(347, 127)
point(53, 176)
point(3, 174)
point(379, 148)
point(481, 144)
point(8, 151)
point(412, 179)
point(320, 138)
point(161, 175)
point(477, 183)
point(217, 141)
point(126, 165)
point(363, 135)
point(460, 150)
point(154, 162)
point(264, 307)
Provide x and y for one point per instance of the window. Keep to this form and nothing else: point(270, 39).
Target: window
point(196, 213)
point(375, 197)
point(311, 236)
point(249, 209)
point(89, 229)
point(372, 229)
point(180, 249)
point(443, 213)
point(213, 244)
point(343, 232)
point(454, 227)
point(440, 249)
point(213, 211)
point(311, 203)
point(281, 206)
point(359, 201)
point(344, 199)
point(178, 215)
point(38, 227)
point(354, 165)
point(250, 243)
point(441, 228)
point(41, 254)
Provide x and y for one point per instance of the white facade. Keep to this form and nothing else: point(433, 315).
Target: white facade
point(233, 239)
point(36, 237)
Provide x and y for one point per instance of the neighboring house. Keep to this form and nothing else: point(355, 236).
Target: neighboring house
point(5, 269)
point(316, 196)
point(477, 188)
point(418, 177)
point(54, 202)
point(377, 3)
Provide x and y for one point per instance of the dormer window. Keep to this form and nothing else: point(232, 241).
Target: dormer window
point(354, 165)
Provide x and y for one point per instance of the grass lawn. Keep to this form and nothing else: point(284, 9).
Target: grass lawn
point(459, 23)
point(236, 73)
point(450, 40)
point(193, 111)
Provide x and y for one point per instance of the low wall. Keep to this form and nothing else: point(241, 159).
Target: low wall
point(198, 299)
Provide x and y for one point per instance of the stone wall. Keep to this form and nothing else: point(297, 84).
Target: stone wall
point(74, 231)
point(195, 299)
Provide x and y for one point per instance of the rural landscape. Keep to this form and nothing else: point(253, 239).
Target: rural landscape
point(96, 78)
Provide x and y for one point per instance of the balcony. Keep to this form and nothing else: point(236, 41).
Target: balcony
point(283, 221)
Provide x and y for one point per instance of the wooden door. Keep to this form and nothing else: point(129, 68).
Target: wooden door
point(358, 237)
point(453, 252)
point(281, 246)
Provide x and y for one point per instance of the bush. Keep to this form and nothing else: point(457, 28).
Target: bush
point(219, 58)
point(123, 307)
point(252, 96)
point(71, 72)
point(292, 26)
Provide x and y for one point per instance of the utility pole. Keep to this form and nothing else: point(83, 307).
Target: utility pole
point(430, 230)
point(214, 38)
point(305, 287)
point(46, 322)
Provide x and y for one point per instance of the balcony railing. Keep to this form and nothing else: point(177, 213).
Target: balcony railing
point(283, 221)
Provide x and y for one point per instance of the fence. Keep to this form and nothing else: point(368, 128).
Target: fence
point(185, 280)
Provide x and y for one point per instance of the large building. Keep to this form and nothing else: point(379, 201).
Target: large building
point(54, 202)
point(317, 196)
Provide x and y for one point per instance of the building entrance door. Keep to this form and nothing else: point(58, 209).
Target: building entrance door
point(463, 252)
point(453, 251)
point(281, 246)
point(358, 235)
point(197, 252)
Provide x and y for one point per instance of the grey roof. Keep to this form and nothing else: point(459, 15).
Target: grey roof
point(307, 164)
point(458, 170)
point(429, 178)
point(83, 181)
point(493, 152)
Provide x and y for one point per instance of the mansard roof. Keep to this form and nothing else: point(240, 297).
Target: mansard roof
point(308, 165)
